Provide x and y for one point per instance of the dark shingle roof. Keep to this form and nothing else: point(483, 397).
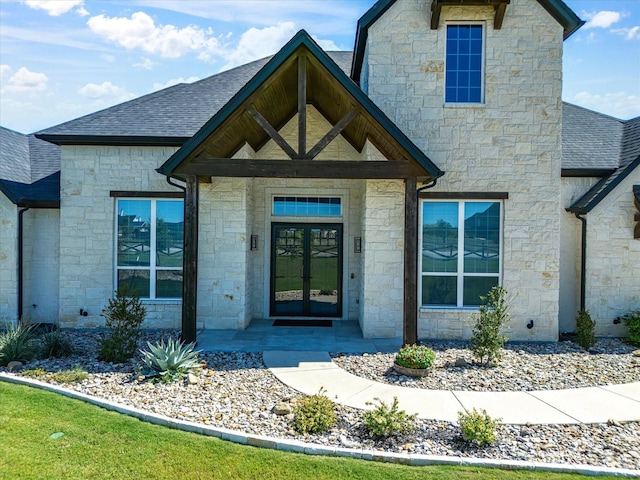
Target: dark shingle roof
point(628, 161)
point(29, 169)
point(176, 112)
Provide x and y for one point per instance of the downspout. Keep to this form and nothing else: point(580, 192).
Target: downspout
point(583, 260)
point(20, 261)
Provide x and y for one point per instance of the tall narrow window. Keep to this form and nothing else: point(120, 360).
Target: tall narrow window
point(149, 242)
point(461, 248)
point(464, 71)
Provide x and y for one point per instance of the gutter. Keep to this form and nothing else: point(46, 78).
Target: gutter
point(20, 261)
point(583, 259)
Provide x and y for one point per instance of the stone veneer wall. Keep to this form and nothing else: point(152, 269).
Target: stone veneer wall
point(8, 261)
point(511, 143)
point(613, 259)
point(87, 218)
point(571, 237)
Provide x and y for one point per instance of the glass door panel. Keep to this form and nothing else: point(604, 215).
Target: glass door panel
point(306, 270)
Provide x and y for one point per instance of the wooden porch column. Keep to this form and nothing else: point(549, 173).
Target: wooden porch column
point(190, 260)
point(410, 321)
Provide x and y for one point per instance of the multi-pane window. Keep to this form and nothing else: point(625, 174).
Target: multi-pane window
point(149, 243)
point(307, 206)
point(461, 250)
point(464, 75)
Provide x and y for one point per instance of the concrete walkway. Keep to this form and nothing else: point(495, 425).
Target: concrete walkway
point(308, 371)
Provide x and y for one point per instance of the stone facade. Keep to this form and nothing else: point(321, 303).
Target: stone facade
point(613, 256)
point(87, 222)
point(510, 143)
point(8, 261)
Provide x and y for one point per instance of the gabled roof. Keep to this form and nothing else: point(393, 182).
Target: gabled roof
point(29, 170)
point(557, 9)
point(629, 160)
point(167, 117)
point(275, 91)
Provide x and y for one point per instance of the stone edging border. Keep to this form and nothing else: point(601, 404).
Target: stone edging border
point(315, 449)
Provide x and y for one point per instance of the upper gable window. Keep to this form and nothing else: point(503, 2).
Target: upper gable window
point(464, 72)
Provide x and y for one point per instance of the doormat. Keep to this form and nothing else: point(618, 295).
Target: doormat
point(303, 323)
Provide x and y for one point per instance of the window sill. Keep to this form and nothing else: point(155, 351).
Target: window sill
point(442, 309)
point(464, 105)
point(161, 301)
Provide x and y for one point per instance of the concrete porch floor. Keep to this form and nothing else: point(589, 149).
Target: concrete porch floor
point(261, 335)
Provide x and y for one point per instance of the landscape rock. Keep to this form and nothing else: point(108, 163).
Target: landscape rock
point(14, 365)
point(282, 408)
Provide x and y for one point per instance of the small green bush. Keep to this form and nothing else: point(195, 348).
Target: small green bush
point(487, 340)
point(34, 373)
point(169, 361)
point(415, 356)
point(585, 330)
point(17, 344)
point(124, 314)
point(478, 427)
point(314, 414)
point(384, 421)
point(76, 374)
point(632, 320)
point(55, 345)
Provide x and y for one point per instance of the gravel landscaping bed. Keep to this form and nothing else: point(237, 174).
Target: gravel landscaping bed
point(236, 391)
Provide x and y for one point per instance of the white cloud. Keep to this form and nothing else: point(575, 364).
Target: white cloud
point(258, 43)
point(632, 33)
point(145, 63)
point(57, 7)
point(602, 19)
point(104, 90)
point(174, 81)
point(140, 32)
point(107, 57)
point(25, 81)
point(4, 69)
point(618, 104)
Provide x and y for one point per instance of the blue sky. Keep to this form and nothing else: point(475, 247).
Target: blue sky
point(60, 59)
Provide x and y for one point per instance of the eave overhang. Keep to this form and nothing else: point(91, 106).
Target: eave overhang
point(123, 141)
point(300, 74)
point(44, 193)
point(557, 9)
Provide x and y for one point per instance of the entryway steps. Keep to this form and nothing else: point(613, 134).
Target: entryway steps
point(308, 372)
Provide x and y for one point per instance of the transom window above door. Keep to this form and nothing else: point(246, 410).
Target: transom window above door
point(307, 206)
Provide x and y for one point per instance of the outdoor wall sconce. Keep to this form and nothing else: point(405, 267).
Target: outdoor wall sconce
point(83, 312)
point(254, 242)
point(530, 324)
point(357, 244)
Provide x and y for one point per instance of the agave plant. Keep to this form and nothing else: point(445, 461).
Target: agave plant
point(170, 360)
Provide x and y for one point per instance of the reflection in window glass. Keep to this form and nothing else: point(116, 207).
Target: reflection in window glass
point(134, 232)
point(307, 206)
point(169, 234)
point(440, 237)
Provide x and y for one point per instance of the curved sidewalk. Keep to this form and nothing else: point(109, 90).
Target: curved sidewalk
point(307, 372)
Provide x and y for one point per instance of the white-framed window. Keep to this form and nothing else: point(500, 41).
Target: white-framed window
point(149, 245)
point(464, 63)
point(461, 251)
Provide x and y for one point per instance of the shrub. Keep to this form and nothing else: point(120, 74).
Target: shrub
point(314, 414)
point(486, 339)
point(384, 421)
point(585, 330)
point(415, 356)
point(55, 344)
point(17, 344)
point(632, 320)
point(34, 372)
point(169, 361)
point(124, 314)
point(76, 374)
point(478, 427)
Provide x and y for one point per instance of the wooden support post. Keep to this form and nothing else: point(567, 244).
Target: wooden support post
point(410, 321)
point(190, 260)
point(302, 106)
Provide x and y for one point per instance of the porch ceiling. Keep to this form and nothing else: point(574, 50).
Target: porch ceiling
point(301, 74)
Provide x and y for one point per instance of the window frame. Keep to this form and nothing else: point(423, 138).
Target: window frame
point(153, 268)
point(482, 62)
point(459, 274)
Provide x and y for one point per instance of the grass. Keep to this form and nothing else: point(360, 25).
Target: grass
point(100, 444)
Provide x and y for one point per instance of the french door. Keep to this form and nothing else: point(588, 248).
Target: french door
point(306, 270)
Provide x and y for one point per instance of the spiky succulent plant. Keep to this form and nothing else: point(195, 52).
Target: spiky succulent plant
point(170, 360)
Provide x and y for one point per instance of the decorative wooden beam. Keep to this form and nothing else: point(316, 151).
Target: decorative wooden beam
point(272, 132)
point(302, 106)
point(190, 260)
point(333, 133)
point(264, 168)
point(500, 7)
point(410, 317)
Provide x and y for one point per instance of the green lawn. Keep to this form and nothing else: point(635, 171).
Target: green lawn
point(100, 444)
